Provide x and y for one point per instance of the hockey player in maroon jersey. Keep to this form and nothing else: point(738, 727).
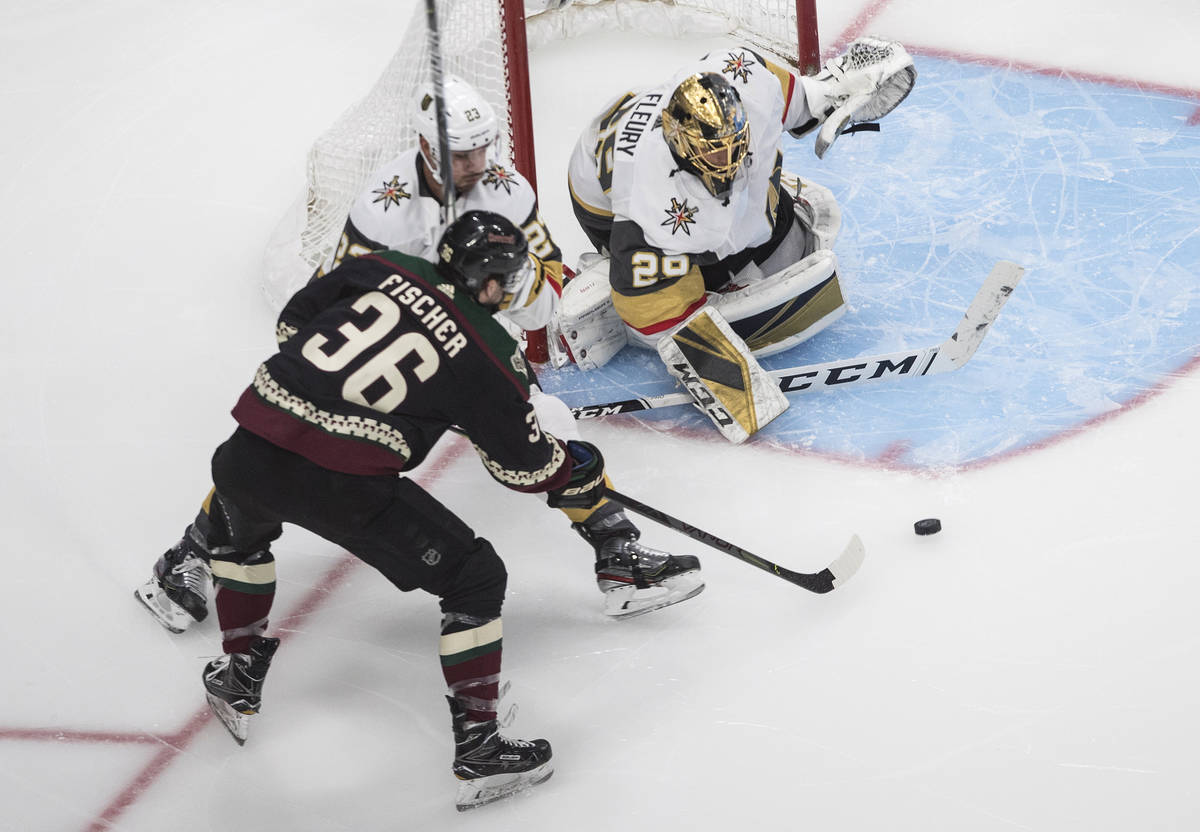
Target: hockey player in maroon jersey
point(377, 360)
point(399, 209)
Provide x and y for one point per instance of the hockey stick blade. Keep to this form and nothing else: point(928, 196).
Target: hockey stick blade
point(949, 355)
point(834, 575)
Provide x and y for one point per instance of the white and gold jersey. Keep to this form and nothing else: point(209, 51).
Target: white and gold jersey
point(659, 223)
point(622, 166)
point(397, 211)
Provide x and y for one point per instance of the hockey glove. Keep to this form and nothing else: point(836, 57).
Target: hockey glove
point(586, 486)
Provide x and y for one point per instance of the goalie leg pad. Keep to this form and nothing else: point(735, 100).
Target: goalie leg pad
point(587, 320)
point(786, 308)
point(715, 366)
point(816, 207)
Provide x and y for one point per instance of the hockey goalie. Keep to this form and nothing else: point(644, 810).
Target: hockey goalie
point(707, 250)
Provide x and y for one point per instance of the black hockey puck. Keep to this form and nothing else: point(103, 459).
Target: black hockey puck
point(930, 525)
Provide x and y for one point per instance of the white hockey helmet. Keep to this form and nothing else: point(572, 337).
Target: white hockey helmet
point(470, 120)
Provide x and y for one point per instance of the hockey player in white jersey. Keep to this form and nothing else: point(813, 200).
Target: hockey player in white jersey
point(713, 253)
point(400, 205)
point(399, 209)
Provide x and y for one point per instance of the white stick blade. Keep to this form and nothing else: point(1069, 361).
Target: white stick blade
point(988, 302)
point(848, 561)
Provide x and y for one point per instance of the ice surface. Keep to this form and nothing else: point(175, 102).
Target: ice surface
point(1031, 667)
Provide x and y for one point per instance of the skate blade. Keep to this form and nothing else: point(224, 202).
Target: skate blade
point(484, 790)
point(235, 722)
point(165, 611)
point(629, 601)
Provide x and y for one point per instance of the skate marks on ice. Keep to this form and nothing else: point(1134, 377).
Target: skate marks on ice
point(1090, 186)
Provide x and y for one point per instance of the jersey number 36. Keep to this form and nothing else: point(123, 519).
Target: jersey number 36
point(384, 365)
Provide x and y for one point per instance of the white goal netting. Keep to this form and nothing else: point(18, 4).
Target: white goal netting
point(475, 46)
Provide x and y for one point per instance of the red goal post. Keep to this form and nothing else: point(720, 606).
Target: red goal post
point(487, 42)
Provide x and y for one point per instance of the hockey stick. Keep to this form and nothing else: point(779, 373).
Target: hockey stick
point(834, 575)
point(945, 357)
point(445, 169)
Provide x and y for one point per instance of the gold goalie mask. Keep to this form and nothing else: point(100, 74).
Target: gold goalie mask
point(705, 126)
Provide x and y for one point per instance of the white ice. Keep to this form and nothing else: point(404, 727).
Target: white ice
point(1033, 667)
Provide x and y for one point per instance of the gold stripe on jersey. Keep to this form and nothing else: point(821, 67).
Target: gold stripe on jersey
point(539, 281)
point(586, 207)
point(552, 271)
point(356, 427)
point(722, 366)
point(787, 82)
point(613, 114)
point(773, 188)
point(663, 304)
point(797, 315)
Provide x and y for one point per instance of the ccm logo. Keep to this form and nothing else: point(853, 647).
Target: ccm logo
point(704, 398)
point(847, 374)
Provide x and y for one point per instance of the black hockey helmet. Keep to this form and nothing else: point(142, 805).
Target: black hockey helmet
point(479, 245)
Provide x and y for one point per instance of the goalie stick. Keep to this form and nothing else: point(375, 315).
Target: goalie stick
point(945, 357)
point(832, 576)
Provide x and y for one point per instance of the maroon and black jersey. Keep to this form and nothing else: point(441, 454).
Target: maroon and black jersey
point(378, 359)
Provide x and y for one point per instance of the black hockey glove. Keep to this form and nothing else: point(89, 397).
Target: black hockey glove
point(586, 486)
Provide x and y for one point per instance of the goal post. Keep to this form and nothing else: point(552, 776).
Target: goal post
point(487, 43)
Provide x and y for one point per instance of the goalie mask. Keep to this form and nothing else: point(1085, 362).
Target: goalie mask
point(470, 121)
point(705, 126)
point(480, 245)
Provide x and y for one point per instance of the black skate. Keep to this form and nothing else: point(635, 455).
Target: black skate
point(636, 579)
point(490, 766)
point(177, 592)
point(234, 682)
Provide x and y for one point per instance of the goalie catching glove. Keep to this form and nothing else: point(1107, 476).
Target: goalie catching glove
point(588, 480)
point(863, 84)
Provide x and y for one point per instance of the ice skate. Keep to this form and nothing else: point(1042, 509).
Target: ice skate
point(636, 579)
point(490, 766)
point(177, 592)
point(233, 684)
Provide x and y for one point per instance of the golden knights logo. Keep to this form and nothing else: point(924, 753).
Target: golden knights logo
point(738, 65)
point(680, 216)
point(498, 178)
point(391, 193)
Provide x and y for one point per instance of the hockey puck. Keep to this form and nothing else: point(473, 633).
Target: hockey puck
point(930, 525)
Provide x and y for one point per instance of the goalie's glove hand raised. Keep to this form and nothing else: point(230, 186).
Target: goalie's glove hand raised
point(586, 486)
point(863, 84)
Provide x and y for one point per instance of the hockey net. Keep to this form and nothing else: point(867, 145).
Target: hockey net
point(485, 42)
